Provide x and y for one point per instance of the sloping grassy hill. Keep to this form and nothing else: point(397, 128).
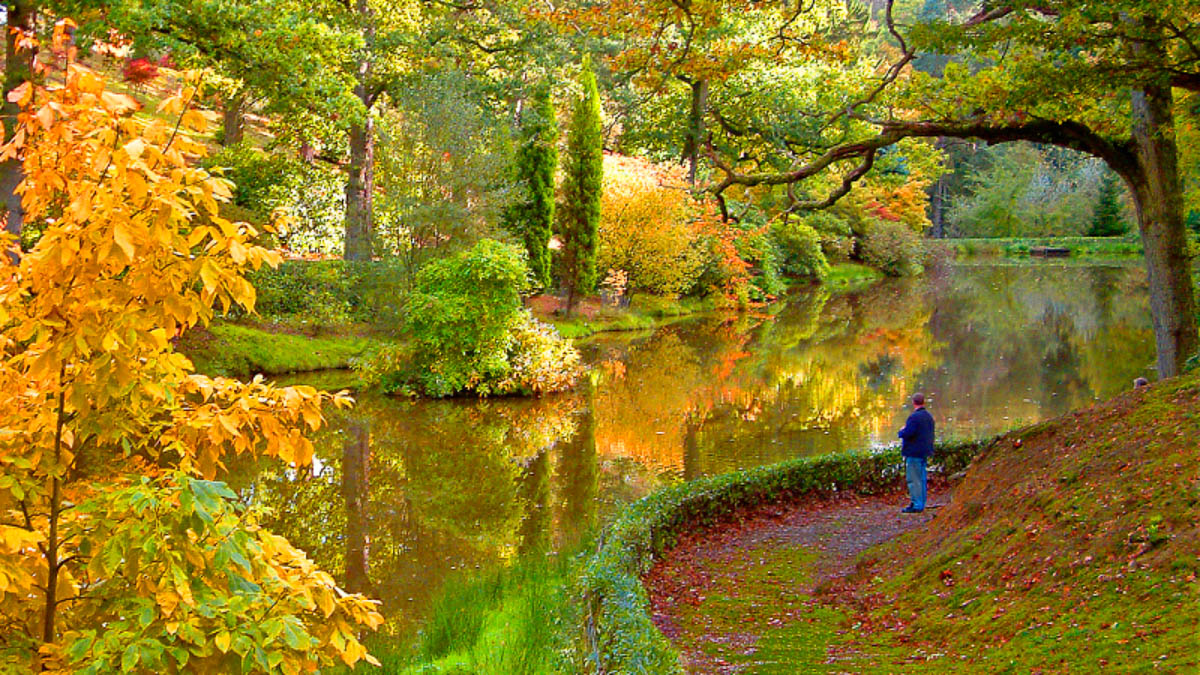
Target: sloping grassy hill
point(1072, 546)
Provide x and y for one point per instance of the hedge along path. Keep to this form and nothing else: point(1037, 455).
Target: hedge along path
point(619, 635)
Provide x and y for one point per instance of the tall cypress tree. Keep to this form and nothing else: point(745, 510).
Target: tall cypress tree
point(531, 218)
point(582, 184)
point(1107, 221)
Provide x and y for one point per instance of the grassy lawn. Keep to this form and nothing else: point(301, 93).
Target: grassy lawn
point(645, 312)
point(1019, 247)
point(851, 274)
point(240, 351)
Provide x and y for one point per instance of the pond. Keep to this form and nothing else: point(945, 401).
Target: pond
point(407, 497)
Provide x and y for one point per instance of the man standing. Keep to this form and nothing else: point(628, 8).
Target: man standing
point(916, 445)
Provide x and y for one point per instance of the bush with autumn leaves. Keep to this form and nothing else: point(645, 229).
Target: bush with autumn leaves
point(119, 549)
point(669, 241)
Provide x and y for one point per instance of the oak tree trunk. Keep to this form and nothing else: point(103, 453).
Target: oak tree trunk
point(359, 191)
point(691, 147)
point(1158, 196)
point(360, 186)
point(234, 120)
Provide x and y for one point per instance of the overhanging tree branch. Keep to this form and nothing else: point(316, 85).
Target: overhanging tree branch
point(1071, 135)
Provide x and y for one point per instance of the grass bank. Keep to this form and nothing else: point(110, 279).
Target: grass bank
point(1068, 546)
point(848, 274)
point(1084, 559)
point(237, 350)
point(510, 620)
point(1090, 247)
point(645, 312)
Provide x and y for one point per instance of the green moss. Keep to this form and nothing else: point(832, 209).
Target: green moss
point(764, 587)
point(239, 350)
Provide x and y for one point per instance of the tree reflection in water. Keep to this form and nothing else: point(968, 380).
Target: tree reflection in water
point(408, 496)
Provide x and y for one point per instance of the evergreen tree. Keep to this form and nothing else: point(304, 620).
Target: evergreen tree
point(582, 186)
point(1107, 221)
point(532, 217)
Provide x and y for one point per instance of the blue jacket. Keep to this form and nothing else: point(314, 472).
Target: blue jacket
point(917, 435)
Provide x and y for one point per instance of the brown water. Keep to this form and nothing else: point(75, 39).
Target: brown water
point(407, 497)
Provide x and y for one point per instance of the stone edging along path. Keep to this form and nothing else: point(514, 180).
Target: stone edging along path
point(620, 634)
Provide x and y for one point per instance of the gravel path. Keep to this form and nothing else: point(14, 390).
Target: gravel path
point(753, 562)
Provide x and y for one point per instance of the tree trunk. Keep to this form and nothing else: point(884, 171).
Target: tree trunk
point(937, 197)
point(937, 208)
point(359, 191)
point(691, 147)
point(360, 187)
point(11, 174)
point(234, 120)
point(1159, 199)
point(18, 68)
point(356, 461)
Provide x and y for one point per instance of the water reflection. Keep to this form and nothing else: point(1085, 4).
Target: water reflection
point(409, 495)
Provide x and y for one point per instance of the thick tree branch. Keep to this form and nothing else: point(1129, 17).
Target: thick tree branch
point(842, 190)
point(1063, 134)
point(1189, 81)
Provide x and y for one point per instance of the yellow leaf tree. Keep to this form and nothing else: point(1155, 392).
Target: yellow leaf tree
point(118, 549)
point(648, 226)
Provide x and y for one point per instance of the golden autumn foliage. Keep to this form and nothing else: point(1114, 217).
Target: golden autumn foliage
point(118, 551)
point(648, 226)
point(699, 39)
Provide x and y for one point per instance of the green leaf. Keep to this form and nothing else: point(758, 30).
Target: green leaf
point(129, 659)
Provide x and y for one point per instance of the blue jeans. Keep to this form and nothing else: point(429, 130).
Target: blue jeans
point(914, 471)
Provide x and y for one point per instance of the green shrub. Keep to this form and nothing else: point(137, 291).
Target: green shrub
point(800, 245)
point(836, 248)
point(625, 639)
point(892, 248)
point(756, 246)
point(833, 232)
point(539, 360)
point(470, 334)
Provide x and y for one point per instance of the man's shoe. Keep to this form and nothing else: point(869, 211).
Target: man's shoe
point(910, 509)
